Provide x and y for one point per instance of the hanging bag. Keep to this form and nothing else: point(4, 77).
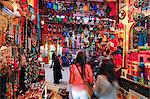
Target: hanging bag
point(87, 87)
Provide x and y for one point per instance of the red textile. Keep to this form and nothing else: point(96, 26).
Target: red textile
point(113, 7)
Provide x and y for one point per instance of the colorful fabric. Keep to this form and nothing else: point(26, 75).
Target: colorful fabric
point(113, 9)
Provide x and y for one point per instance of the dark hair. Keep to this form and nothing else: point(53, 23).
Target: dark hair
point(107, 69)
point(53, 56)
point(81, 60)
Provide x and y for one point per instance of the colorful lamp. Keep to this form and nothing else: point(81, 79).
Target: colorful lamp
point(137, 16)
point(50, 5)
point(55, 6)
point(86, 7)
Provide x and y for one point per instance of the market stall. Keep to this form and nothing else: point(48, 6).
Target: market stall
point(135, 76)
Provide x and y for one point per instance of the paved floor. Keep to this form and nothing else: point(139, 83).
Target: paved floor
point(64, 83)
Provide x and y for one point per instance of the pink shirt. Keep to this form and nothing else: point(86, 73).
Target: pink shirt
point(76, 79)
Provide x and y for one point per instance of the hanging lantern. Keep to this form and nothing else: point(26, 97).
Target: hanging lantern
point(86, 7)
point(64, 8)
point(65, 19)
point(55, 19)
point(70, 19)
point(139, 3)
point(55, 6)
point(138, 16)
point(75, 7)
point(86, 19)
point(95, 7)
point(50, 5)
point(59, 19)
point(140, 29)
point(71, 8)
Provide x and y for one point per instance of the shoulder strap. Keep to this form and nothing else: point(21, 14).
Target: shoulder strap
point(79, 72)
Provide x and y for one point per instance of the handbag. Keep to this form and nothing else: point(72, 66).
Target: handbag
point(87, 87)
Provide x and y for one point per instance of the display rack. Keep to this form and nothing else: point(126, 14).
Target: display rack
point(135, 75)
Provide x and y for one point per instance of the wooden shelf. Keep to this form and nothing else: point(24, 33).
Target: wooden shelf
point(136, 83)
point(128, 84)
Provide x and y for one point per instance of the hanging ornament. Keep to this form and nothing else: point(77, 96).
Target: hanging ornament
point(138, 16)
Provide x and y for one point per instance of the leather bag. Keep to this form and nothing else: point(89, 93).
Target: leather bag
point(87, 87)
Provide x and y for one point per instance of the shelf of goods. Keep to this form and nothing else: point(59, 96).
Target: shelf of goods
point(136, 77)
point(35, 91)
point(55, 92)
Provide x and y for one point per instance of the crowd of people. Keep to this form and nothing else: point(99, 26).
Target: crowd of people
point(84, 84)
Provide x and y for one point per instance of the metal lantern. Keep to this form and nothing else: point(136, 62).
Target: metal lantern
point(138, 16)
point(139, 3)
point(140, 29)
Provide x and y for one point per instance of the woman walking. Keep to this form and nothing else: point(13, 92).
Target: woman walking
point(56, 68)
point(105, 86)
point(80, 72)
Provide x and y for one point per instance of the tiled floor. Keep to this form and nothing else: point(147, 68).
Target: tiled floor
point(64, 83)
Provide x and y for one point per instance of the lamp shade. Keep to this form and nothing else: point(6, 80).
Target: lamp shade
point(50, 5)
